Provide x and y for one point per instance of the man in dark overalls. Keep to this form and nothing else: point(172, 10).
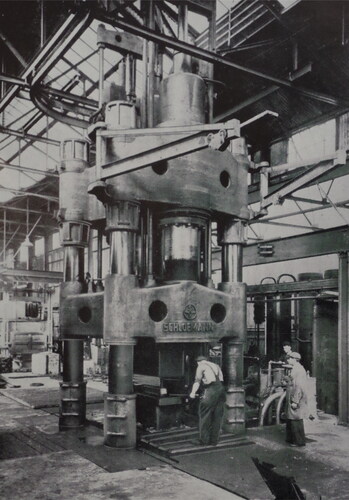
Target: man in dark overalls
point(211, 408)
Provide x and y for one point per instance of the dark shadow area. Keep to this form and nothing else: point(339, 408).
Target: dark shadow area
point(283, 487)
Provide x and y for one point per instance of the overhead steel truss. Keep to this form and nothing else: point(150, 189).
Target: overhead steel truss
point(54, 50)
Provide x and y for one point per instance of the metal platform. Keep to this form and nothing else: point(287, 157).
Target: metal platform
point(185, 441)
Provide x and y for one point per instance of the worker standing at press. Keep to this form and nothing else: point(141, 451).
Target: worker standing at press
point(296, 409)
point(298, 371)
point(296, 401)
point(211, 408)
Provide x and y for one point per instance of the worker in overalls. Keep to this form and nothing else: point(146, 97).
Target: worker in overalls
point(211, 408)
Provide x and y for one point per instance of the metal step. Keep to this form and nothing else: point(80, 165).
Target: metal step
point(222, 445)
point(184, 441)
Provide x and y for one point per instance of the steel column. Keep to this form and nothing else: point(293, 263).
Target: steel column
point(4, 238)
point(99, 284)
point(122, 252)
point(232, 259)
point(73, 388)
point(343, 344)
point(119, 401)
point(121, 380)
point(231, 240)
point(73, 372)
point(74, 233)
point(232, 367)
point(151, 67)
point(149, 248)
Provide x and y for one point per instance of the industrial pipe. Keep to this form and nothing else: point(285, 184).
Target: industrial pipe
point(267, 404)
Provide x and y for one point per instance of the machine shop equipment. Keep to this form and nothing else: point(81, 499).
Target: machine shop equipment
point(159, 190)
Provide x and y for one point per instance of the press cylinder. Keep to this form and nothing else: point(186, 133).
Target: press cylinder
point(181, 246)
point(181, 252)
point(182, 99)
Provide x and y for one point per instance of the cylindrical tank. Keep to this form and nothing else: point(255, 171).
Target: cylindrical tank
point(305, 321)
point(281, 324)
point(182, 99)
point(331, 274)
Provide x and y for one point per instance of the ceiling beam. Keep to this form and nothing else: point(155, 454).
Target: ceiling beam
point(52, 91)
point(72, 22)
point(304, 179)
point(285, 224)
point(28, 169)
point(325, 206)
point(20, 192)
point(324, 242)
point(306, 200)
point(23, 222)
point(24, 135)
point(32, 274)
point(293, 286)
point(13, 50)
point(24, 210)
point(72, 67)
point(40, 114)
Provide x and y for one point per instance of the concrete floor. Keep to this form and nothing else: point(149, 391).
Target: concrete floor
point(38, 462)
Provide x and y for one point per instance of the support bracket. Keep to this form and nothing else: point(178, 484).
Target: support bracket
point(182, 141)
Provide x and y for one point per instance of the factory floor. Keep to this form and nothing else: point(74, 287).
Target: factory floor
point(39, 462)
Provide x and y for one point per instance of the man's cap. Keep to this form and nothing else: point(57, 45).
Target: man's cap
point(201, 358)
point(286, 343)
point(294, 355)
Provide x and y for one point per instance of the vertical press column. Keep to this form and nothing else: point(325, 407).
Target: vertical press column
point(74, 233)
point(232, 367)
point(231, 240)
point(72, 388)
point(120, 402)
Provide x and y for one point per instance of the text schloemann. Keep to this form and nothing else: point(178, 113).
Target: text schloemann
point(199, 326)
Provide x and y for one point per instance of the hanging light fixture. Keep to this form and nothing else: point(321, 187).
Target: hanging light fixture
point(27, 243)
